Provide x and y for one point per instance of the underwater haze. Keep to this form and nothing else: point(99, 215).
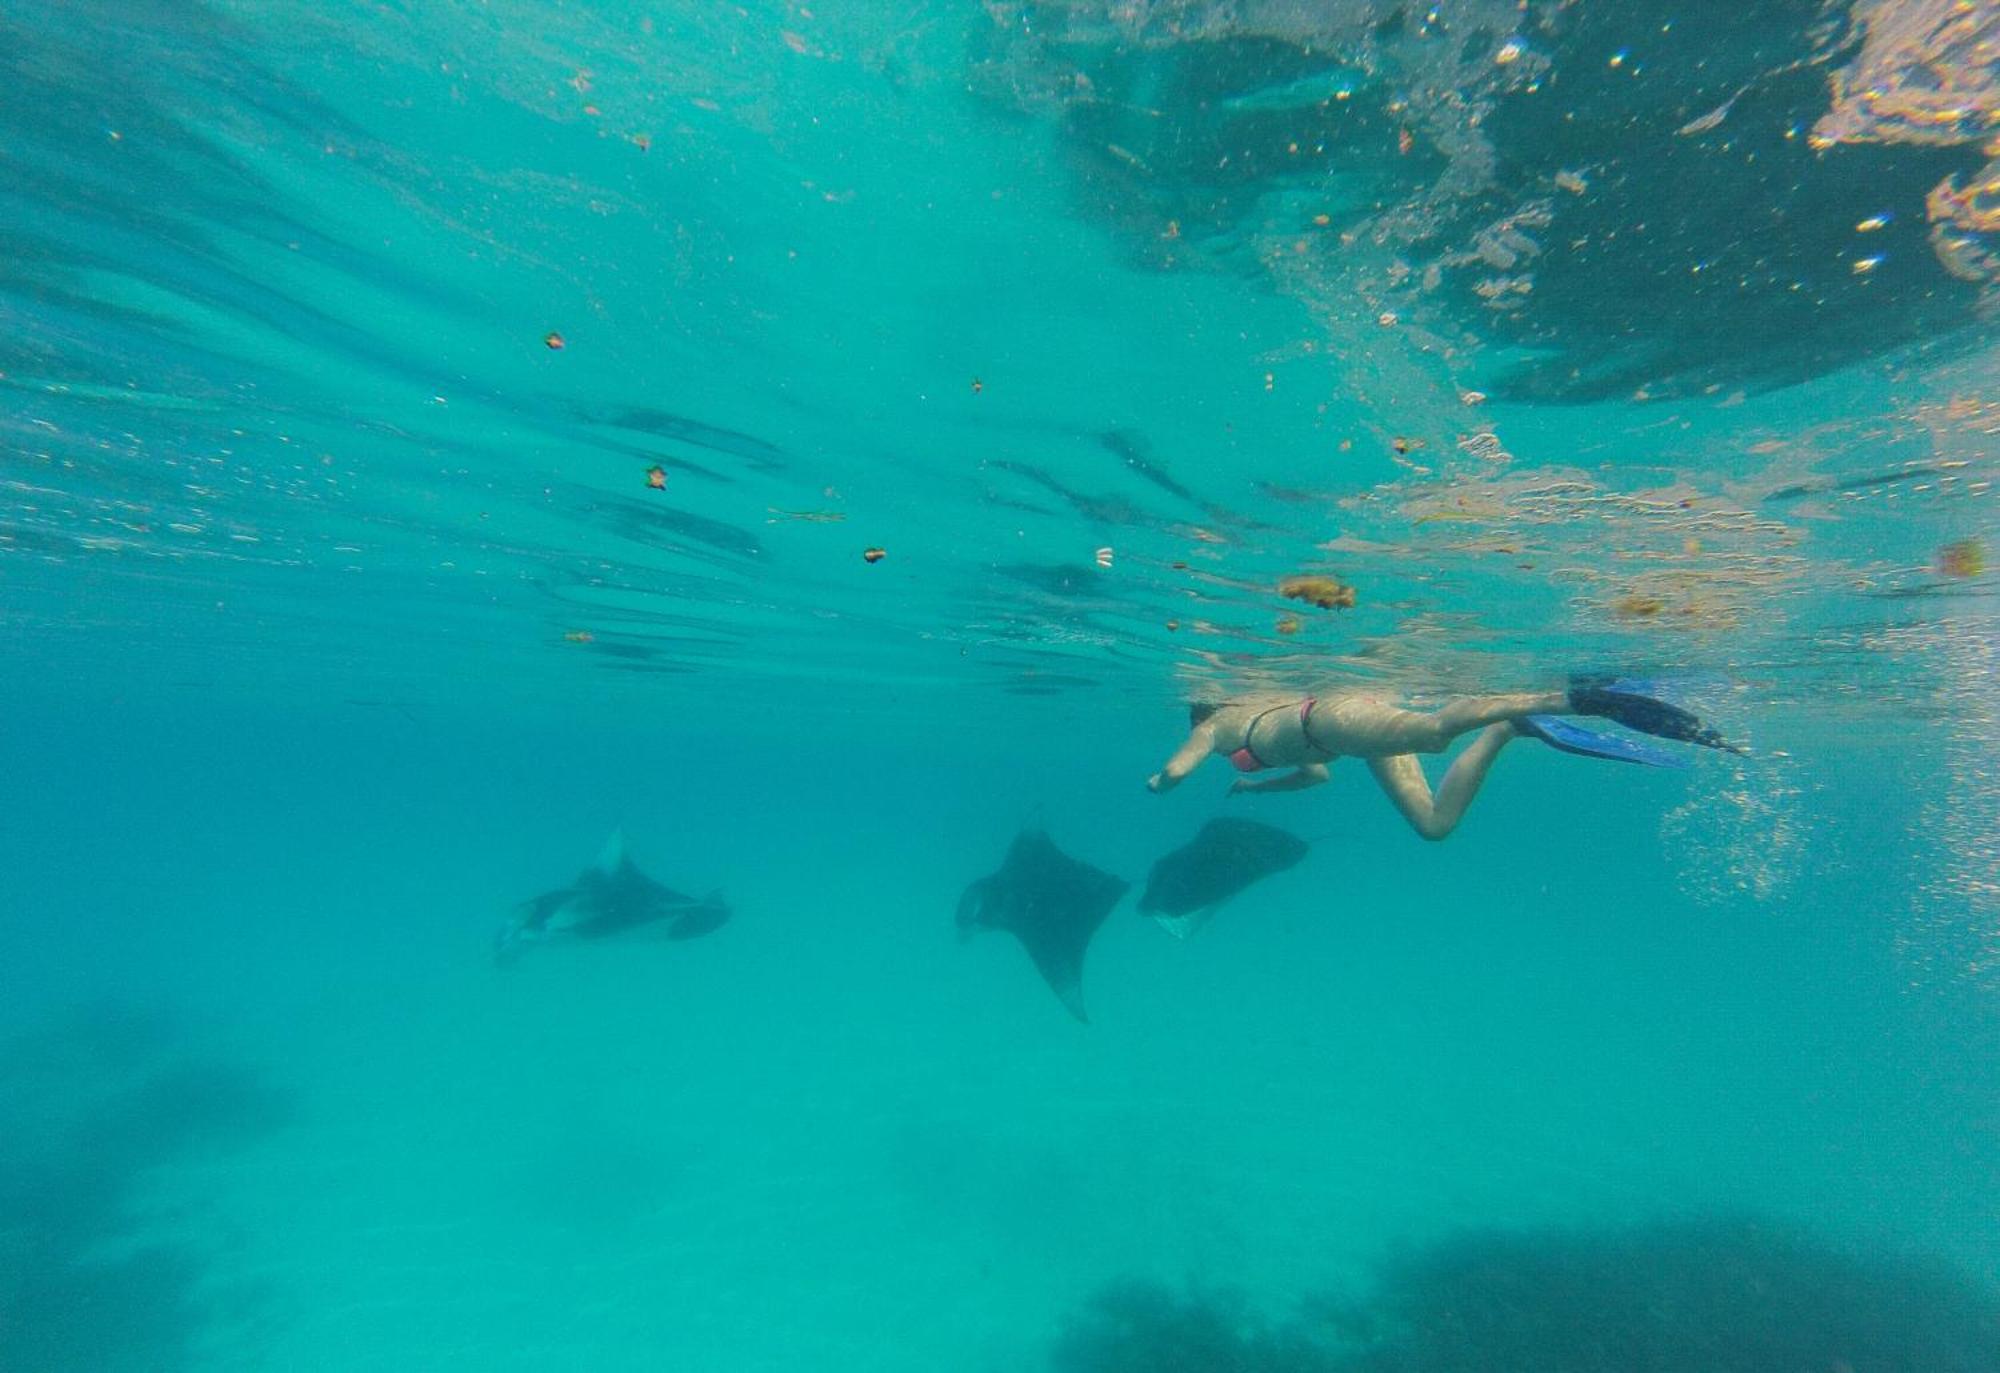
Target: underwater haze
point(589, 593)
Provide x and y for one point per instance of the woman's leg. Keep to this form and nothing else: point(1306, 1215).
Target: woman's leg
point(1402, 777)
point(1366, 727)
point(1476, 712)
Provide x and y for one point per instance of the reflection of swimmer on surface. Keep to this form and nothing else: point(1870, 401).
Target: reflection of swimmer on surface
point(1307, 735)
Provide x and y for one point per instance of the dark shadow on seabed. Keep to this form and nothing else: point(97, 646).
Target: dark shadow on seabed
point(88, 1109)
point(1714, 1296)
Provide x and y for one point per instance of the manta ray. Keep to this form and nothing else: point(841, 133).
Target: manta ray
point(1049, 901)
point(1186, 886)
point(609, 897)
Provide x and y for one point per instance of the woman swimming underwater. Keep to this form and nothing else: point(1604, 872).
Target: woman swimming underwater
point(1308, 734)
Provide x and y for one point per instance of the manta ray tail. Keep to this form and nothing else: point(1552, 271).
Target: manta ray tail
point(1060, 962)
point(1069, 991)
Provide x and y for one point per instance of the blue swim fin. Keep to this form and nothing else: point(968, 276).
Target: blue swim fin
point(1559, 733)
point(1639, 705)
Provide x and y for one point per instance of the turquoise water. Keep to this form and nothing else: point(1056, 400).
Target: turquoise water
point(341, 616)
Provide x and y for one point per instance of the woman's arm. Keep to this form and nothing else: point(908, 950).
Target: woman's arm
point(1200, 743)
point(1298, 779)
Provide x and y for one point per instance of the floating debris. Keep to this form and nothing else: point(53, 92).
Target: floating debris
point(1325, 592)
point(579, 636)
point(1173, 626)
point(1572, 182)
point(1484, 445)
point(1402, 445)
point(977, 386)
point(1129, 158)
point(1924, 75)
point(874, 555)
point(1104, 557)
point(1288, 624)
point(656, 477)
point(1713, 118)
point(1961, 558)
point(554, 342)
point(1637, 606)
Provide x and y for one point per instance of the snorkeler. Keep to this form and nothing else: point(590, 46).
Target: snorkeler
point(1306, 735)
